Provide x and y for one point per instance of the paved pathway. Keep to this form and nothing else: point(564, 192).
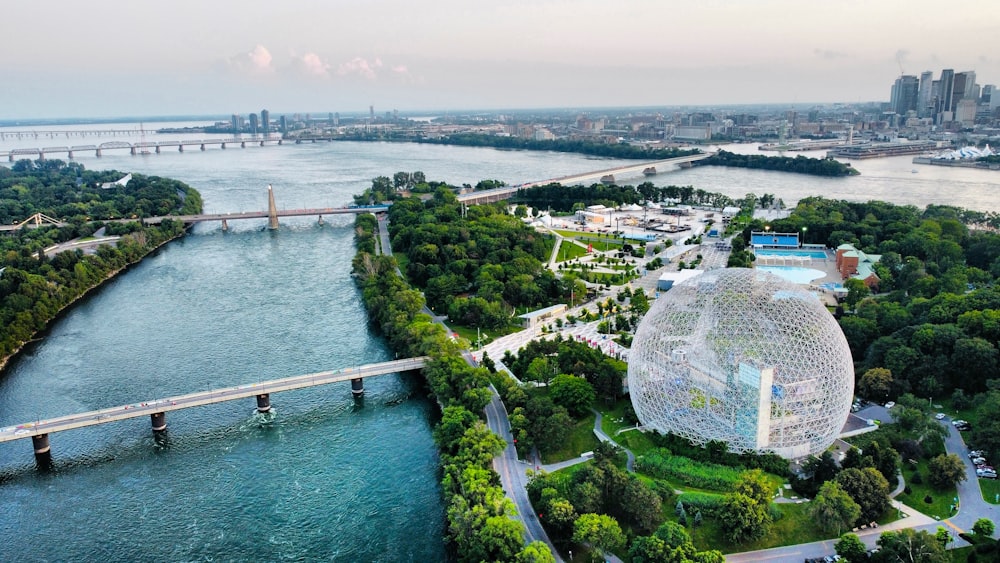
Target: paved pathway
point(971, 508)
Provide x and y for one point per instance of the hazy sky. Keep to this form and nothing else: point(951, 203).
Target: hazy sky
point(112, 58)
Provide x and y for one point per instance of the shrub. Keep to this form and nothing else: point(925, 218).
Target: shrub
point(703, 475)
point(929, 499)
point(703, 502)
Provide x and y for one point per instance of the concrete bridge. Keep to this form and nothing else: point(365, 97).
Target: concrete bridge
point(506, 192)
point(141, 147)
point(156, 410)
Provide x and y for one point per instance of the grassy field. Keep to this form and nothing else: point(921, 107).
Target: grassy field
point(942, 500)
point(569, 251)
point(470, 334)
point(581, 439)
point(792, 528)
point(990, 488)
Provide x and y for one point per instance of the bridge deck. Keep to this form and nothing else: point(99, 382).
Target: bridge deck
point(200, 398)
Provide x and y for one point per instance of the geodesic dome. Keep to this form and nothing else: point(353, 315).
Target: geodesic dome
point(745, 357)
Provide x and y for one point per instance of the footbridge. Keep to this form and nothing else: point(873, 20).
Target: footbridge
point(506, 192)
point(156, 409)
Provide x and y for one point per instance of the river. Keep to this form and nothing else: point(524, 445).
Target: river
point(328, 479)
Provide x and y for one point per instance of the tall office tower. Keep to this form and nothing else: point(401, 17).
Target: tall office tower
point(235, 123)
point(987, 95)
point(964, 87)
point(265, 121)
point(253, 124)
point(905, 94)
point(945, 96)
point(329, 118)
point(336, 119)
point(284, 125)
point(371, 112)
point(925, 94)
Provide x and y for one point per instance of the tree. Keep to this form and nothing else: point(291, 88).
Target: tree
point(983, 528)
point(573, 393)
point(856, 291)
point(946, 470)
point(833, 509)
point(535, 552)
point(851, 548)
point(500, 538)
point(875, 384)
point(746, 519)
point(911, 546)
point(868, 488)
point(599, 530)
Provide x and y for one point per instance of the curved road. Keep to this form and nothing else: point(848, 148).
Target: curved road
point(512, 472)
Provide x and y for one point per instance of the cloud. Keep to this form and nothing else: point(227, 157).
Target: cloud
point(360, 66)
point(257, 61)
point(400, 69)
point(827, 54)
point(314, 65)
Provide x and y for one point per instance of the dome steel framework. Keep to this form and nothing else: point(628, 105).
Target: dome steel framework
point(745, 357)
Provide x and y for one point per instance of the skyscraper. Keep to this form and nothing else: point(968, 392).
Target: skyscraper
point(904, 94)
point(964, 87)
point(265, 121)
point(944, 104)
point(253, 124)
point(925, 95)
point(284, 125)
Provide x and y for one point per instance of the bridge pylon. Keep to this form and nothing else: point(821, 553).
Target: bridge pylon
point(272, 210)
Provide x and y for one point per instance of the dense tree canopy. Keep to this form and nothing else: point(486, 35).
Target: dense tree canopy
point(35, 286)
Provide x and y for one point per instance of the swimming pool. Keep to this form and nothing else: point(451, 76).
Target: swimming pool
point(794, 274)
point(814, 254)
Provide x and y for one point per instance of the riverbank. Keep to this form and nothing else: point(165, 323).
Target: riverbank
point(5, 360)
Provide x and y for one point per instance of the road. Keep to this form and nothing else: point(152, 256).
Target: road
point(971, 508)
point(512, 471)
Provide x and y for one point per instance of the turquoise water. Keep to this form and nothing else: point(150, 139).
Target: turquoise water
point(814, 254)
point(794, 274)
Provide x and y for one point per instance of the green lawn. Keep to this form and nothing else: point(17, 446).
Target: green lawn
point(792, 528)
point(581, 439)
point(569, 251)
point(990, 488)
point(469, 333)
point(940, 508)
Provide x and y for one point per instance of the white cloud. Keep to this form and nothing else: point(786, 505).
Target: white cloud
point(257, 61)
point(314, 65)
point(361, 67)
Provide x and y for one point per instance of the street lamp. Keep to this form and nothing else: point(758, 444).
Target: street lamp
point(804, 229)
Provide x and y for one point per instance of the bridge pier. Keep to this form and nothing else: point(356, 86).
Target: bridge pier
point(157, 149)
point(159, 421)
point(203, 146)
point(70, 155)
point(320, 219)
point(281, 141)
point(131, 151)
point(262, 143)
point(10, 157)
point(43, 452)
point(357, 387)
point(225, 226)
point(180, 148)
point(223, 145)
point(97, 153)
point(243, 144)
point(263, 402)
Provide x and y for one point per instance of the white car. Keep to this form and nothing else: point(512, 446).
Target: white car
point(958, 422)
point(890, 404)
point(939, 416)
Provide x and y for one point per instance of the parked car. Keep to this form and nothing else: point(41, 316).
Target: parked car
point(979, 461)
point(977, 453)
point(958, 422)
point(939, 416)
point(890, 404)
point(964, 427)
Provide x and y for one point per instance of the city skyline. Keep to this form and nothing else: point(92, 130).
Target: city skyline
point(109, 58)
